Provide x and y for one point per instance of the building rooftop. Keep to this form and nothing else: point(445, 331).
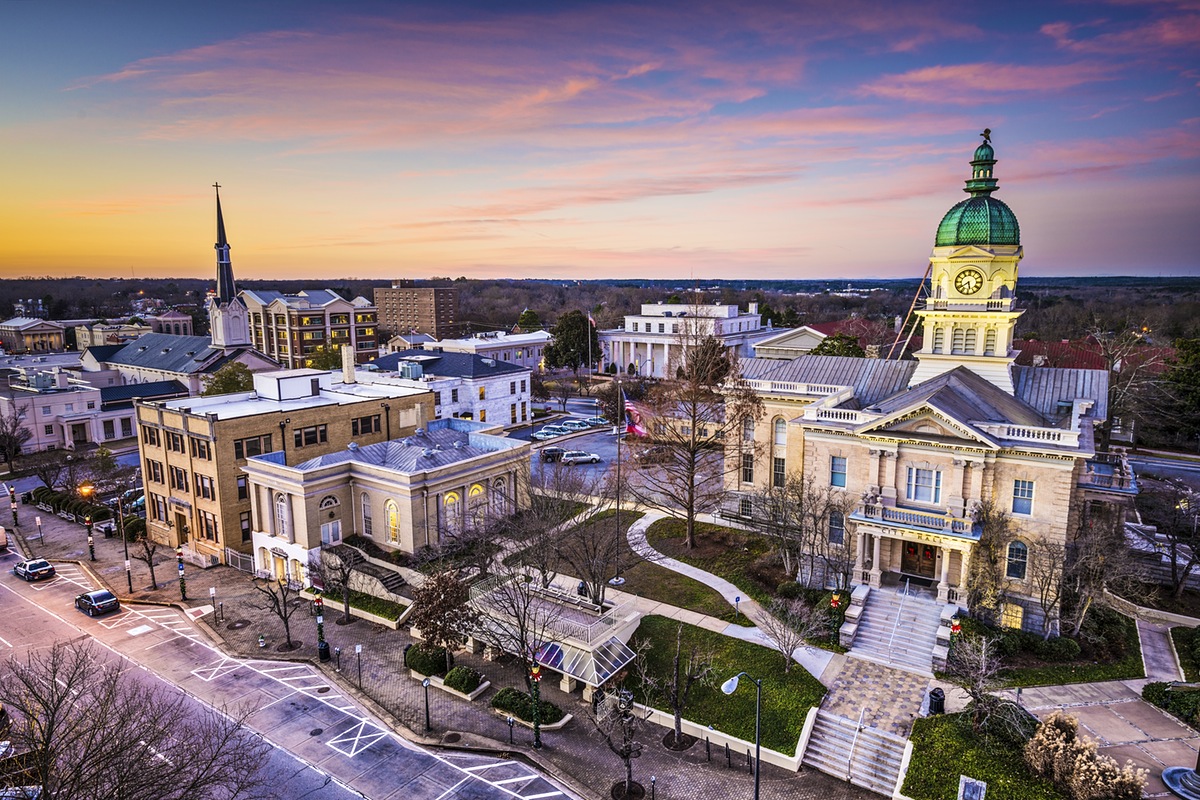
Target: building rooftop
point(444, 364)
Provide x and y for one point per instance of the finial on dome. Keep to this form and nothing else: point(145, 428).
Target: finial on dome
point(982, 183)
point(987, 135)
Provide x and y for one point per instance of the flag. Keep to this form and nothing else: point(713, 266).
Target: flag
point(634, 417)
point(591, 320)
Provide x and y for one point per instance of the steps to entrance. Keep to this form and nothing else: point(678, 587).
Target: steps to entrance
point(898, 630)
point(864, 756)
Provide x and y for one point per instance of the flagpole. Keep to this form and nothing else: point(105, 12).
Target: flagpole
point(617, 580)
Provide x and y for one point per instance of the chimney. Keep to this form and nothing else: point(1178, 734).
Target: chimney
point(347, 364)
point(753, 308)
point(60, 379)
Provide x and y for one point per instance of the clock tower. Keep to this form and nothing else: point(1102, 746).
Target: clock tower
point(969, 315)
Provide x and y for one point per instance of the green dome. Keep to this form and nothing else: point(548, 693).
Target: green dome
point(979, 220)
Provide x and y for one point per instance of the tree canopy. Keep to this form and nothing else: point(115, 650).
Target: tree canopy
point(325, 358)
point(839, 344)
point(572, 333)
point(233, 377)
point(529, 320)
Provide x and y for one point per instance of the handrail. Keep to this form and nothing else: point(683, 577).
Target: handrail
point(854, 743)
point(899, 611)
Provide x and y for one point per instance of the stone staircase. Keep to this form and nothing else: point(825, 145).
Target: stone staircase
point(898, 630)
point(864, 756)
point(389, 578)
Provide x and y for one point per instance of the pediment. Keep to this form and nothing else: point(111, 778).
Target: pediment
point(802, 338)
point(926, 421)
point(969, 252)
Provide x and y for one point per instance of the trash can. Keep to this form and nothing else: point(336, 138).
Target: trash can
point(937, 701)
point(323, 651)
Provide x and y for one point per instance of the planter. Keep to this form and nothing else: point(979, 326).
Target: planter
point(434, 680)
point(562, 723)
point(335, 608)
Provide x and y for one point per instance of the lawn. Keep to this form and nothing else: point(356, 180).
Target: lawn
point(786, 698)
point(736, 556)
point(945, 747)
point(1185, 640)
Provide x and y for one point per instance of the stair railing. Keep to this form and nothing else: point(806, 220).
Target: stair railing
point(854, 743)
point(896, 624)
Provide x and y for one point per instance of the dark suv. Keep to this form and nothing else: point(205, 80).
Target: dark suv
point(552, 454)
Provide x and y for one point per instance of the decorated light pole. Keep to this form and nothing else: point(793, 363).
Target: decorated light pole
point(182, 581)
point(87, 490)
point(322, 645)
point(124, 541)
point(535, 677)
point(12, 503)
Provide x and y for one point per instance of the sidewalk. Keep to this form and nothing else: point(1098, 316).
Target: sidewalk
point(575, 755)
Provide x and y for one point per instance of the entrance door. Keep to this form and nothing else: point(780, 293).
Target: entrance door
point(79, 434)
point(918, 559)
point(181, 526)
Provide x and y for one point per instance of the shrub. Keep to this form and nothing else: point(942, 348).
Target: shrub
point(1185, 705)
point(463, 679)
point(427, 660)
point(519, 704)
point(1074, 766)
point(1195, 648)
point(135, 528)
point(789, 590)
point(1060, 648)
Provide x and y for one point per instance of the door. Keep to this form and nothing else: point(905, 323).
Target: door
point(181, 526)
point(918, 559)
point(79, 434)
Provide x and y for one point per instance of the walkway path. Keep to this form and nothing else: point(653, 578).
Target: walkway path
point(1158, 652)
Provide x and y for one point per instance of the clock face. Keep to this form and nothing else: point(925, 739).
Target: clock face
point(969, 281)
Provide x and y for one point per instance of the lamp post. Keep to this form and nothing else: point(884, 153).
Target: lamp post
point(12, 503)
point(124, 541)
point(322, 645)
point(182, 582)
point(535, 677)
point(428, 727)
point(729, 687)
point(86, 490)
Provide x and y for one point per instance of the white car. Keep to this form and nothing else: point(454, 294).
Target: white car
point(576, 425)
point(579, 457)
point(549, 432)
point(596, 422)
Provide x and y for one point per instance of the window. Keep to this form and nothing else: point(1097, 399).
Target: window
point(522, 387)
point(91, 404)
point(313, 434)
point(780, 432)
point(924, 485)
point(126, 427)
point(154, 471)
point(437, 398)
point(204, 487)
point(747, 468)
point(49, 430)
point(45, 411)
point(329, 501)
point(331, 532)
point(150, 436)
point(281, 515)
point(1023, 497)
point(364, 425)
point(512, 413)
point(243, 489)
point(1018, 557)
point(483, 415)
point(662, 327)
point(837, 471)
point(635, 327)
point(512, 387)
point(175, 442)
point(179, 479)
point(392, 514)
point(200, 448)
point(748, 429)
point(158, 507)
point(745, 506)
point(110, 430)
point(245, 523)
point(208, 525)
point(524, 413)
point(482, 392)
point(70, 408)
point(778, 472)
point(366, 514)
point(454, 395)
point(252, 446)
point(837, 527)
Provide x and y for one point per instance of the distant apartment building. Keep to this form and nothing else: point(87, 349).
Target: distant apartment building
point(193, 450)
point(30, 335)
point(405, 308)
point(291, 327)
point(102, 333)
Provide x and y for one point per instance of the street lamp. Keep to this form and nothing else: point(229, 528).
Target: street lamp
point(428, 727)
point(124, 541)
point(535, 677)
point(182, 582)
point(86, 490)
point(729, 687)
point(322, 645)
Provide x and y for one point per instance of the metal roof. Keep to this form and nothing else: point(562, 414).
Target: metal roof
point(442, 443)
point(450, 365)
point(873, 379)
point(131, 391)
point(1045, 388)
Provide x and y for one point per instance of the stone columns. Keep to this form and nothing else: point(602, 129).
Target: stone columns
point(876, 573)
point(943, 594)
point(873, 471)
point(957, 489)
point(888, 490)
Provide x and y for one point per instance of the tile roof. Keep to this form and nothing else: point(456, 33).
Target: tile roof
point(449, 365)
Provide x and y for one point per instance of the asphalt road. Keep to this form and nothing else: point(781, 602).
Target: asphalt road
point(324, 744)
point(1181, 469)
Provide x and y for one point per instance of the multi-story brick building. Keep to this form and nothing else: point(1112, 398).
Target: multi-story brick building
point(290, 328)
point(406, 308)
point(193, 450)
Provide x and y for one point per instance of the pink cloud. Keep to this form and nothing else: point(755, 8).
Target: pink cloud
point(982, 82)
point(1149, 38)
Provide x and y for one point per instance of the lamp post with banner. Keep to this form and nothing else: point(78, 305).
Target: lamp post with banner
point(535, 680)
point(182, 581)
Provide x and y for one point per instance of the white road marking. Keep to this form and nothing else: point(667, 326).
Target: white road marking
point(139, 630)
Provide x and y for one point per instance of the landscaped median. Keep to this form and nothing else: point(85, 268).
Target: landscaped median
point(786, 698)
point(363, 606)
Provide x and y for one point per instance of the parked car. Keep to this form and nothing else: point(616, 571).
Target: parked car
point(35, 569)
point(596, 422)
point(552, 453)
point(655, 454)
point(97, 602)
point(576, 425)
point(550, 431)
point(580, 457)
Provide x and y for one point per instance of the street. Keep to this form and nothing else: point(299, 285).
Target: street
point(324, 744)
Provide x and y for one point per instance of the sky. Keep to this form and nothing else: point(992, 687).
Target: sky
point(666, 139)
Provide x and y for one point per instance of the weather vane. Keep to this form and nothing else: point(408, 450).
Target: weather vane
point(987, 135)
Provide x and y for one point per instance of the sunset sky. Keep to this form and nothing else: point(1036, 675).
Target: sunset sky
point(591, 140)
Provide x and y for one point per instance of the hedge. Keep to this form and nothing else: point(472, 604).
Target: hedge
point(71, 504)
point(427, 660)
point(1184, 705)
point(463, 679)
point(520, 705)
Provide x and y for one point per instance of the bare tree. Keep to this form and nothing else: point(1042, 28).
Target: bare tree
point(48, 466)
point(556, 492)
point(90, 729)
point(332, 572)
point(281, 598)
point(791, 623)
point(985, 571)
point(1135, 372)
point(514, 617)
point(144, 550)
point(1175, 511)
point(442, 612)
point(1044, 573)
point(690, 667)
point(13, 434)
point(698, 417)
point(974, 666)
point(590, 551)
point(806, 522)
point(617, 722)
point(1097, 561)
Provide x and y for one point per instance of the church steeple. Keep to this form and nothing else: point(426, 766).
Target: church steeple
point(226, 290)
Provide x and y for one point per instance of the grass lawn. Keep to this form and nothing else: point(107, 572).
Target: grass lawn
point(1152, 595)
point(945, 747)
point(786, 698)
point(1185, 641)
point(725, 552)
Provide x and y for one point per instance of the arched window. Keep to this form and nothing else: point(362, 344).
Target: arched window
point(499, 497)
point(451, 504)
point(366, 514)
point(780, 428)
point(1018, 558)
point(281, 515)
point(328, 501)
point(392, 513)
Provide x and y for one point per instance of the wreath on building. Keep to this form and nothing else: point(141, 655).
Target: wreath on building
point(910, 548)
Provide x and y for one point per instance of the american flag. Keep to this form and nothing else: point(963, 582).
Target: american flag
point(591, 320)
point(634, 417)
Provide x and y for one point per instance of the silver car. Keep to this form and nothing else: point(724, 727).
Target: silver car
point(580, 457)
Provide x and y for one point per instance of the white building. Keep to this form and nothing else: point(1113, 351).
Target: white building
point(464, 386)
point(650, 341)
point(522, 349)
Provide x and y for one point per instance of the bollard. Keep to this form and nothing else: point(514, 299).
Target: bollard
point(728, 762)
point(707, 749)
point(337, 659)
point(748, 764)
point(221, 611)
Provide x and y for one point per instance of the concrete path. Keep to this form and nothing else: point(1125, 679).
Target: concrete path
point(813, 659)
point(1158, 652)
